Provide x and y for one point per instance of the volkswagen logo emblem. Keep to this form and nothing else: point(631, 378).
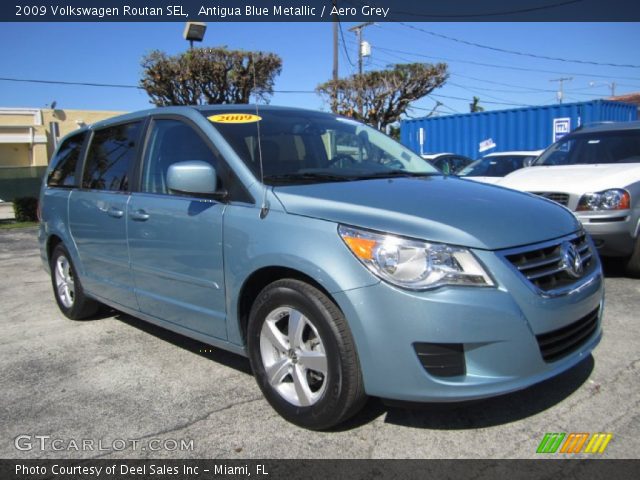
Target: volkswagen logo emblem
point(571, 260)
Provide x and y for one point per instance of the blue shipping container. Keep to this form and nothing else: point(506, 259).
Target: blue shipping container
point(529, 128)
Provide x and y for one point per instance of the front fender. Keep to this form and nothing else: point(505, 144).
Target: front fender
point(307, 245)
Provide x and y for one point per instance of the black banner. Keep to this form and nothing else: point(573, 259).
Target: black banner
point(319, 469)
point(317, 10)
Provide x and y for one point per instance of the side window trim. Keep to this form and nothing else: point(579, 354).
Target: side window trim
point(82, 158)
point(135, 184)
point(85, 158)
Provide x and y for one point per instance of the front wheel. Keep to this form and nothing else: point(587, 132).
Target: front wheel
point(303, 355)
point(67, 287)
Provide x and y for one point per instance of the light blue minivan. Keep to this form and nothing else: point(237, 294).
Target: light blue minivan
point(341, 263)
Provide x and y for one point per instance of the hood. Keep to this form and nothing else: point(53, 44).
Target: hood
point(438, 209)
point(577, 179)
point(492, 180)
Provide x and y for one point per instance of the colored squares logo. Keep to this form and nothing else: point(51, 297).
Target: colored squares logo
point(574, 443)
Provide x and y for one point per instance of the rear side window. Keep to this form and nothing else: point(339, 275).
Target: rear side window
point(110, 157)
point(65, 162)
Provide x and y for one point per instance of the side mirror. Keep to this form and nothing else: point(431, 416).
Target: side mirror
point(193, 176)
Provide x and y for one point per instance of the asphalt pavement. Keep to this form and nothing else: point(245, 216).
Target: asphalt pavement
point(117, 387)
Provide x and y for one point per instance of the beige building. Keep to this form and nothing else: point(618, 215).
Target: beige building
point(28, 137)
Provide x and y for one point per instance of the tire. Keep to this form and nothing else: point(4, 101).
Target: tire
point(67, 288)
point(314, 378)
point(633, 263)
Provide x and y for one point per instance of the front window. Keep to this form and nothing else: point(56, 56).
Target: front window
point(594, 148)
point(308, 147)
point(172, 141)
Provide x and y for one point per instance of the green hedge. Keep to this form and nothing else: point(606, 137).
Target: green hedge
point(25, 209)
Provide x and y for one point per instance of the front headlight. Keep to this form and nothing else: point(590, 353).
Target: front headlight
point(414, 264)
point(614, 199)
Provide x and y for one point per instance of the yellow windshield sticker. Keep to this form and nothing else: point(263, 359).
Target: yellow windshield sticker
point(234, 118)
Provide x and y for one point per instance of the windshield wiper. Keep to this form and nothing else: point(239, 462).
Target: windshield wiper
point(307, 177)
point(396, 173)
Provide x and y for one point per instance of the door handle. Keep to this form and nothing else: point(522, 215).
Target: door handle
point(139, 215)
point(115, 212)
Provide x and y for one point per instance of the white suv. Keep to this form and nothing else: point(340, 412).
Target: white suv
point(594, 172)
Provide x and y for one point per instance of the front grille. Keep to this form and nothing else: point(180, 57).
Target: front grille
point(558, 343)
point(441, 359)
point(561, 198)
point(547, 267)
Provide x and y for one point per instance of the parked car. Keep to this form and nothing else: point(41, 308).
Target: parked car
point(595, 173)
point(492, 167)
point(340, 275)
point(449, 163)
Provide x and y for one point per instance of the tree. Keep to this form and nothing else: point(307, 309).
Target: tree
point(475, 106)
point(384, 95)
point(202, 76)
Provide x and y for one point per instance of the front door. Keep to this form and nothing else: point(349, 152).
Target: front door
point(175, 241)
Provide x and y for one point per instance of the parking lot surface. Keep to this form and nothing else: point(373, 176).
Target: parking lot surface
point(95, 386)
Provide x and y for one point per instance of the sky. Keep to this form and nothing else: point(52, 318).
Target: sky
point(111, 53)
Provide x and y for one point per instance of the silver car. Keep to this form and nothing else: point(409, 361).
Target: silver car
point(595, 173)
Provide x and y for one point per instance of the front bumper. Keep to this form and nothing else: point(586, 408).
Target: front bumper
point(497, 328)
point(613, 233)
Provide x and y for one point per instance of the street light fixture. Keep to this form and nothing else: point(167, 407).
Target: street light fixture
point(194, 32)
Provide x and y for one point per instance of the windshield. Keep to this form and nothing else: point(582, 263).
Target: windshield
point(594, 148)
point(308, 147)
point(496, 166)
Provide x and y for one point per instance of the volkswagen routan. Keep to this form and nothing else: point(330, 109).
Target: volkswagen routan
point(338, 261)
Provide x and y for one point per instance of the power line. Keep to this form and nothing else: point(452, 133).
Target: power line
point(392, 58)
point(516, 52)
point(438, 102)
point(524, 69)
point(109, 85)
point(294, 91)
point(487, 101)
point(61, 82)
point(472, 90)
point(344, 45)
point(532, 89)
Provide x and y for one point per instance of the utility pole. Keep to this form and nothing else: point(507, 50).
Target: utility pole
point(358, 31)
point(334, 93)
point(611, 85)
point(561, 89)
